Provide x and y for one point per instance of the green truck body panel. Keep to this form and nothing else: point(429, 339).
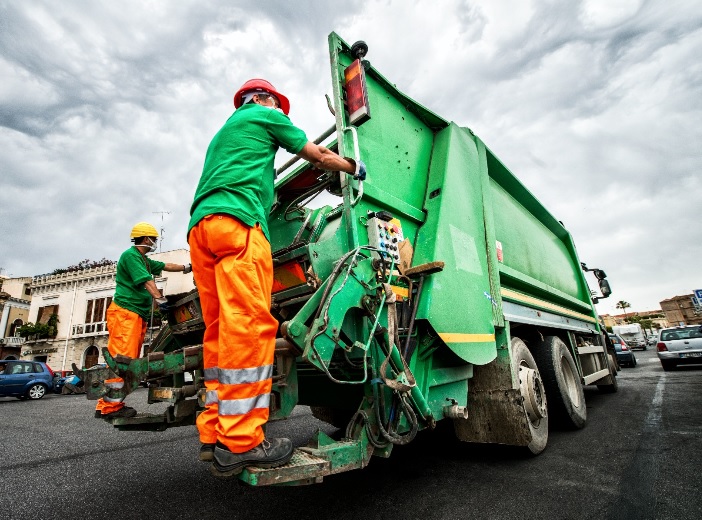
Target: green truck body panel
point(379, 348)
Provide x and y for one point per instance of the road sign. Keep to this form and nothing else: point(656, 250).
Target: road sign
point(698, 294)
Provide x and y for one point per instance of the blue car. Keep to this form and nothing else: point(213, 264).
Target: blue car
point(625, 356)
point(69, 384)
point(25, 379)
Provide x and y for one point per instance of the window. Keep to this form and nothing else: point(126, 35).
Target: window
point(95, 312)
point(681, 333)
point(46, 312)
point(21, 368)
point(15, 325)
point(96, 309)
point(38, 368)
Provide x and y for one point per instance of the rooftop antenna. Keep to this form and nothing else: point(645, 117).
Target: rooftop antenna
point(162, 230)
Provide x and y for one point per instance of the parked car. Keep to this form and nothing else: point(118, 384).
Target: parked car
point(25, 379)
point(680, 346)
point(69, 384)
point(625, 356)
point(58, 383)
point(652, 340)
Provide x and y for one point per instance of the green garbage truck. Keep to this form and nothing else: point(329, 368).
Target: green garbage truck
point(438, 289)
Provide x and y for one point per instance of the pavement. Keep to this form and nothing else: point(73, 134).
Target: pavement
point(638, 457)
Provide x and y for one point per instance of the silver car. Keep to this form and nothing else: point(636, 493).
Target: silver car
point(679, 346)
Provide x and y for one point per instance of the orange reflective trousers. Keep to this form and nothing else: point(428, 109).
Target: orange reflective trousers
point(127, 330)
point(233, 270)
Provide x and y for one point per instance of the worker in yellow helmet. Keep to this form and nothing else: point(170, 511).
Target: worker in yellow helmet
point(131, 307)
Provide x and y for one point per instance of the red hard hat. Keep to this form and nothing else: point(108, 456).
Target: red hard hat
point(261, 85)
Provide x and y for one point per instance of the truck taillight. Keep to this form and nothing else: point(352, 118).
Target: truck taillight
point(661, 347)
point(288, 275)
point(356, 93)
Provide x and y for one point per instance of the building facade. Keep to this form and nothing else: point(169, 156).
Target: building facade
point(15, 297)
point(680, 310)
point(80, 300)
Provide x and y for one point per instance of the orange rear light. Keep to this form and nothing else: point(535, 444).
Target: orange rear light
point(288, 275)
point(356, 93)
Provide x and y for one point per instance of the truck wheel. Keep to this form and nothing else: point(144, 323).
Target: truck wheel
point(566, 398)
point(532, 390)
point(610, 388)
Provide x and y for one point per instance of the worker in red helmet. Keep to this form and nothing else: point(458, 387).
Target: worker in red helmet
point(127, 315)
point(233, 270)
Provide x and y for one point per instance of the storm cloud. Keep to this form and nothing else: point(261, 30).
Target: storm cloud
point(107, 108)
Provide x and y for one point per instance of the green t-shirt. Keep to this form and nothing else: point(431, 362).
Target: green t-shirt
point(238, 175)
point(133, 271)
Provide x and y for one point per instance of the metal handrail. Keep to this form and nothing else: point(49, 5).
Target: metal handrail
point(293, 160)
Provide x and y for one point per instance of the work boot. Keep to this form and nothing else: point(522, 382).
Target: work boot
point(268, 454)
point(207, 452)
point(123, 413)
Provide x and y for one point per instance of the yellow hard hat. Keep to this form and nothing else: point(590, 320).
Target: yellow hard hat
point(143, 229)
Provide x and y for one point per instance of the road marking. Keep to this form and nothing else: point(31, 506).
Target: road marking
point(653, 419)
point(640, 501)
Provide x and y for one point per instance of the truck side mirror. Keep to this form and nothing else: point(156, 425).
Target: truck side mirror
point(600, 274)
point(604, 288)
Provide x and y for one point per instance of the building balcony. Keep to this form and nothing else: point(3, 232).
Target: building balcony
point(12, 341)
point(98, 328)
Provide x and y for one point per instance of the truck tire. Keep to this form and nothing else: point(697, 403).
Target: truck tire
point(566, 398)
point(613, 387)
point(532, 390)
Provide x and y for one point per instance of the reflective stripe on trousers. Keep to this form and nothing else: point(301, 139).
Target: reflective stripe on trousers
point(126, 335)
point(233, 270)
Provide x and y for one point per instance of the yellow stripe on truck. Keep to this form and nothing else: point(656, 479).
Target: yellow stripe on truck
point(514, 295)
point(450, 337)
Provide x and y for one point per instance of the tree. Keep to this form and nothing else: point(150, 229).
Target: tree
point(621, 304)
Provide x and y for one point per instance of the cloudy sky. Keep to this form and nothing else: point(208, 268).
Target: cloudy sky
point(107, 108)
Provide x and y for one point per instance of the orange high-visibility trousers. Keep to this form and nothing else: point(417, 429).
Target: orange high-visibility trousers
point(127, 331)
point(233, 270)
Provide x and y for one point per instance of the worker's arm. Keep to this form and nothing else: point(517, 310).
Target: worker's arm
point(153, 290)
point(324, 159)
point(177, 268)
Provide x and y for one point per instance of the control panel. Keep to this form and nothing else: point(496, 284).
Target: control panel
point(385, 234)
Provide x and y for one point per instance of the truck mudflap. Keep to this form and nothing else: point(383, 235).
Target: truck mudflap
point(323, 456)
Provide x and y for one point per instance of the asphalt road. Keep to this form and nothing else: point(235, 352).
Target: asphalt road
point(638, 457)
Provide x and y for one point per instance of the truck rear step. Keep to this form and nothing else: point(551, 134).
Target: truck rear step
point(303, 468)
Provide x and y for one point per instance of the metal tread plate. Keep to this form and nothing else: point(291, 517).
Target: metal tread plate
point(303, 468)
